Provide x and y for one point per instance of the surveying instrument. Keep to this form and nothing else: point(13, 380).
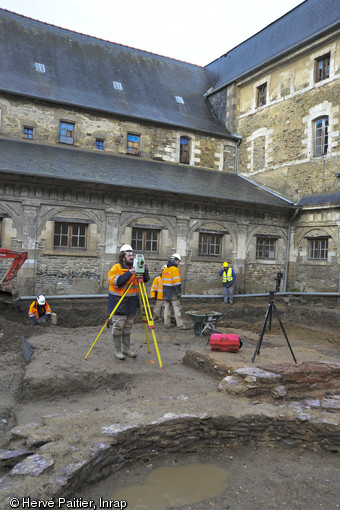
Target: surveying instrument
point(139, 266)
point(269, 314)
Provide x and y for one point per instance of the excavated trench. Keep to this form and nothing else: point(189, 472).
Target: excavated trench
point(86, 429)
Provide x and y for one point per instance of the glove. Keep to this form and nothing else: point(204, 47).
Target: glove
point(33, 321)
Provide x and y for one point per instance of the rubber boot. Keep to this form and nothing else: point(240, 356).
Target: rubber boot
point(117, 339)
point(126, 346)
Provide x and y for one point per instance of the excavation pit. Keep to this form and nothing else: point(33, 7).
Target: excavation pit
point(75, 422)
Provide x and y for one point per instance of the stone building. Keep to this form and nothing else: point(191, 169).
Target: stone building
point(102, 144)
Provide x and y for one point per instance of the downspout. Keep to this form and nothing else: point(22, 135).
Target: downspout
point(288, 248)
point(239, 140)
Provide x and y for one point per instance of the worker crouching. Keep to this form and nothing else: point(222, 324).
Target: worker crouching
point(40, 311)
point(120, 276)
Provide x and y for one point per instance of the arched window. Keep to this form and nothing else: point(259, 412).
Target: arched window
point(321, 136)
point(184, 151)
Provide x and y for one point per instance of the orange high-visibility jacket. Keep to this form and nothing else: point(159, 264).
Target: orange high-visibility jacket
point(37, 310)
point(172, 287)
point(156, 290)
point(119, 283)
point(119, 280)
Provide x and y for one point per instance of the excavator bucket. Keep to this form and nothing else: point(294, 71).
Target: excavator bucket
point(9, 292)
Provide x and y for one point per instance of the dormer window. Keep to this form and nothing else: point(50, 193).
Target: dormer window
point(39, 67)
point(117, 85)
point(179, 99)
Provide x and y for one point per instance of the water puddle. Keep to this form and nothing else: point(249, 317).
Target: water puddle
point(175, 486)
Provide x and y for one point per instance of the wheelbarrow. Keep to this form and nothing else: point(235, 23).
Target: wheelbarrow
point(205, 324)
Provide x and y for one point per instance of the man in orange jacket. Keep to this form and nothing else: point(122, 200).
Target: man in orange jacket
point(156, 296)
point(39, 311)
point(120, 276)
point(172, 289)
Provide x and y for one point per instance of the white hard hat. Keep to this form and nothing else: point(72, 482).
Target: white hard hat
point(126, 247)
point(164, 267)
point(176, 256)
point(41, 299)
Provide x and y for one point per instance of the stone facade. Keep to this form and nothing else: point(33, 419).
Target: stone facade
point(110, 220)
point(274, 147)
point(278, 138)
point(156, 142)
point(278, 150)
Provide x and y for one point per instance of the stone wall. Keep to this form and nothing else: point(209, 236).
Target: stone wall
point(156, 141)
point(110, 218)
point(278, 138)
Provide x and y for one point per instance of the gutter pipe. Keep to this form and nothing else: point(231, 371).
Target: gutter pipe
point(239, 139)
point(288, 248)
point(189, 296)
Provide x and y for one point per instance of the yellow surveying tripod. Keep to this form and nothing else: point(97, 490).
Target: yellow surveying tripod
point(146, 316)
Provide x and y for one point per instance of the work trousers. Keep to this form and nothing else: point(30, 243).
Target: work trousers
point(122, 324)
point(229, 294)
point(176, 307)
point(158, 309)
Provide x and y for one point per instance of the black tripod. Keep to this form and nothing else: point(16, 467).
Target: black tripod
point(269, 314)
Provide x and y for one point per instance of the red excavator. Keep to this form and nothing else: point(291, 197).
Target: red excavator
point(19, 258)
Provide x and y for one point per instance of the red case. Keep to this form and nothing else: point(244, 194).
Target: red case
point(224, 342)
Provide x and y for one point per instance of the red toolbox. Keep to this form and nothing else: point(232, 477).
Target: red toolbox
point(224, 342)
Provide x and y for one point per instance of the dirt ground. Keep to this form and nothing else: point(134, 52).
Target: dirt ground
point(59, 380)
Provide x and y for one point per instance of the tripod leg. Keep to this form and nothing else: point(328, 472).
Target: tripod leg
point(145, 322)
point(270, 318)
point(283, 331)
point(263, 328)
point(145, 301)
point(113, 311)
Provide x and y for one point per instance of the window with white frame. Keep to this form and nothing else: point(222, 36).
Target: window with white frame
point(321, 136)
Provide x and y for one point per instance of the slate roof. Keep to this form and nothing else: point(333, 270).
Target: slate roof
point(306, 21)
point(92, 167)
point(80, 71)
point(325, 198)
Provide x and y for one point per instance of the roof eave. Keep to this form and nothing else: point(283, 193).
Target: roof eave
point(272, 59)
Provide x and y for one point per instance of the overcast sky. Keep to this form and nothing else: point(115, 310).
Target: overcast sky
point(195, 31)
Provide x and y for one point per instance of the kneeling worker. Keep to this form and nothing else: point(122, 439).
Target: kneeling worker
point(120, 276)
point(172, 289)
point(39, 311)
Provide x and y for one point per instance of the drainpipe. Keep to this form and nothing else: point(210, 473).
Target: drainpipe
point(239, 140)
point(288, 248)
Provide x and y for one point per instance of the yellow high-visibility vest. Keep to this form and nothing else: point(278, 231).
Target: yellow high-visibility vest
point(227, 275)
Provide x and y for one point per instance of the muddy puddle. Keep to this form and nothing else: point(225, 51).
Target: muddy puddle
point(252, 477)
